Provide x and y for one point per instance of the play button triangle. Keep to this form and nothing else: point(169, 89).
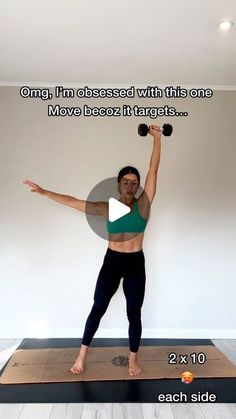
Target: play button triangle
point(117, 209)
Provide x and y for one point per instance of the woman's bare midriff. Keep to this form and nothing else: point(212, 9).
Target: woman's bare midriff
point(126, 242)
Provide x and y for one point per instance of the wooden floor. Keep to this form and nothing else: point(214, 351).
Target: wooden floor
point(118, 410)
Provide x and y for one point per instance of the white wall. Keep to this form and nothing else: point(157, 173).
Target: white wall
point(50, 258)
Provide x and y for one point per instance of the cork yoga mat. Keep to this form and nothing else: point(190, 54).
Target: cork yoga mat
point(111, 363)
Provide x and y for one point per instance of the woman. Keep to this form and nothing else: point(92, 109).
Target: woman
point(124, 256)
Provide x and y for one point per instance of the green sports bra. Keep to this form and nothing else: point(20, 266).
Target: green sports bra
point(132, 222)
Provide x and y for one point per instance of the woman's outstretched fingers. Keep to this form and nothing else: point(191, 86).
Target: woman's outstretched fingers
point(34, 187)
point(30, 183)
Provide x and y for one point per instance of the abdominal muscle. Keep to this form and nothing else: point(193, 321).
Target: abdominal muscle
point(126, 242)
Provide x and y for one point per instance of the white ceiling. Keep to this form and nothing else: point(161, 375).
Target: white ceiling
point(85, 42)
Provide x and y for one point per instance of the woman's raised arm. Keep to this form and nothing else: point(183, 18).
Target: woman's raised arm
point(151, 178)
point(92, 208)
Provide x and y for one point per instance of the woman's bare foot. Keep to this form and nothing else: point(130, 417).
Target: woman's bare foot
point(78, 366)
point(134, 368)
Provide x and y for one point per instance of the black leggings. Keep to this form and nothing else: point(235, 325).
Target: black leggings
point(130, 266)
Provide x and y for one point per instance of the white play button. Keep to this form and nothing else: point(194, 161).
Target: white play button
point(106, 191)
point(117, 209)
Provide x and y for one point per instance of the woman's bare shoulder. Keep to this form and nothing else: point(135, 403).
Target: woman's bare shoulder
point(144, 205)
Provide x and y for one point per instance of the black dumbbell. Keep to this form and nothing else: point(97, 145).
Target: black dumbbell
point(143, 130)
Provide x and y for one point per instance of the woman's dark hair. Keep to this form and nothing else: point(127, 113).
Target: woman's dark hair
point(126, 170)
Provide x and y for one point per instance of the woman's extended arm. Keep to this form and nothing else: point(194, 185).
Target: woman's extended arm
point(92, 208)
point(156, 152)
point(151, 179)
